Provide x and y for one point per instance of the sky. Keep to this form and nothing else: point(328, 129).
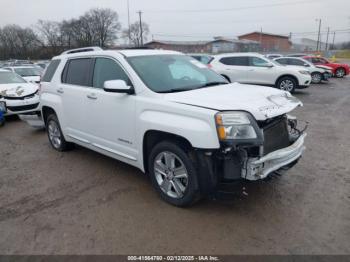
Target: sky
point(199, 19)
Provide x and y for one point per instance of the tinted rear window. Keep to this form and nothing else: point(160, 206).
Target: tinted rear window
point(77, 72)
point(50, 71)
point(235, 61)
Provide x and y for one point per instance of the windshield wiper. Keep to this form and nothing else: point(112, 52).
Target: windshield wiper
point(175, 90)
point(213, 84)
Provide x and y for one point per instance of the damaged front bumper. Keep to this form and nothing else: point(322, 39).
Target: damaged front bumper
point(260, 168)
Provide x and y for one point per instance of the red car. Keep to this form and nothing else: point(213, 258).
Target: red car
point(338, 70)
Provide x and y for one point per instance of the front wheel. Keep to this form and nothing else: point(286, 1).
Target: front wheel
point(340, 72)
point(173, 174)
point(316, 78)
point(55, 134)
point(287, 84)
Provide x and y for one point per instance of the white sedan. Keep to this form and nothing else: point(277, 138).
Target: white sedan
point(17, 96)
point(31, 74)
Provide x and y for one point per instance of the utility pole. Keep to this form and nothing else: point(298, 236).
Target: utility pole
point(261, 47)
point(141, 33)
point(327, 39)
point(319, 33)
point(333, 39)
point(129, 22)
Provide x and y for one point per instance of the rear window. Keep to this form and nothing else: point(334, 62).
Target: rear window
point(235, 61)
point(50, 71)
point(77, 72)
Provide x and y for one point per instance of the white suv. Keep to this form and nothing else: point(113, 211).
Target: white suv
point(254, 68)
point(170, 116)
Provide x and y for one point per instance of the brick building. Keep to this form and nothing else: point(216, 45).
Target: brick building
point(218, 45)
point(269, 42)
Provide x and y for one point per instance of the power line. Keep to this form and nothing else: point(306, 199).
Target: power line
point(229, 9)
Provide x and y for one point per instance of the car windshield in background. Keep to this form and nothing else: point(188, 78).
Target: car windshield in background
point(174, 73)
point(30, 71)
point(10, 78)
point(203, 58)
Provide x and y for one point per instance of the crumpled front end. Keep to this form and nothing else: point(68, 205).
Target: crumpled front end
point(281, 147)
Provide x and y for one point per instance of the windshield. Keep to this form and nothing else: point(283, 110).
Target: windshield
point(10, 78)
point(174, 73)
point(28, 71)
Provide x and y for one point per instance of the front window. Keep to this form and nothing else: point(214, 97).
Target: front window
point(174, 73)
point(10, 78)
point(30, 71)
point(256, 61)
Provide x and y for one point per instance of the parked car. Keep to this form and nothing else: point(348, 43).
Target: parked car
point(170, 116)
point(338, 70)
point(203, 58)
point(317, 73)
point(273, 56)
point(17, 94)
point(29, 73)
point(42, 64)
point(254, 68)
point(297, 55)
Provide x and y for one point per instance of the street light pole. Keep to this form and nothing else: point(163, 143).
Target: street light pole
point(319, 33)
point(327, 40)
point(141, 33)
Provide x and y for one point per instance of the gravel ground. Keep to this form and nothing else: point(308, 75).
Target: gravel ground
point(81, 202)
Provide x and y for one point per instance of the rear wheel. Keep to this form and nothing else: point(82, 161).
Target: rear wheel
point(173, 174)
point(340, 72)
point(316, 77)
point(55, 134)
point(287, 84)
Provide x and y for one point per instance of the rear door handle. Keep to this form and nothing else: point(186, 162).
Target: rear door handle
point(60, 91)
point(92, 96)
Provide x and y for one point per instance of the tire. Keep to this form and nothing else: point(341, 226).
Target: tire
point(55, 135)
point(340, 72)
point(316, 77)
point(177, 189)
point(287, 83)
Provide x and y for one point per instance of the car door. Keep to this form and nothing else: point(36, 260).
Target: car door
point(260, 71)
point(235, 67)
point(76, 81)
point(111, 116)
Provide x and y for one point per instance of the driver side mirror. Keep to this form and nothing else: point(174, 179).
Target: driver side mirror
point(117, 86)
point(269, 65)
point(306, 65)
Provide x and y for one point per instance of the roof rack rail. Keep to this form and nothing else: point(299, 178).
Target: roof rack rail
point(83, 49)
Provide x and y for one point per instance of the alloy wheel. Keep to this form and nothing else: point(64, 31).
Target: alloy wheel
point(287, 85)
point(340, 72)
point(171, 174)
point(316, 78)
point(54, 134)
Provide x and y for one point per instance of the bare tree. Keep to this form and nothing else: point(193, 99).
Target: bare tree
point(17, 42)
point(50, 34)
point(135, 33)
point(104, 25)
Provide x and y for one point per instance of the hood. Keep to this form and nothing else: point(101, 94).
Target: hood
point(17, 90)
point(262, 102)
point(32, 79)
point(324, 67)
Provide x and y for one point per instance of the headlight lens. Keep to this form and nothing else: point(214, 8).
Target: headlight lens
point(2, 106)
point(304, 72)
point(234, 125)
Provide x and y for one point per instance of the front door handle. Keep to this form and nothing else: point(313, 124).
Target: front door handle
point(60, 91)
point(92, 96)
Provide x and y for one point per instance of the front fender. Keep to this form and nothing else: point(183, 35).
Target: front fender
point(199, 132)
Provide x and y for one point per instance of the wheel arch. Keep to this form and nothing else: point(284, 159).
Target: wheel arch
point(287, 75)
point(46, 110)
point(153, 137)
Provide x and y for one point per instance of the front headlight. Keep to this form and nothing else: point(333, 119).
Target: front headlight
point(304, 72)
point(2, 106)
point(234, 125)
